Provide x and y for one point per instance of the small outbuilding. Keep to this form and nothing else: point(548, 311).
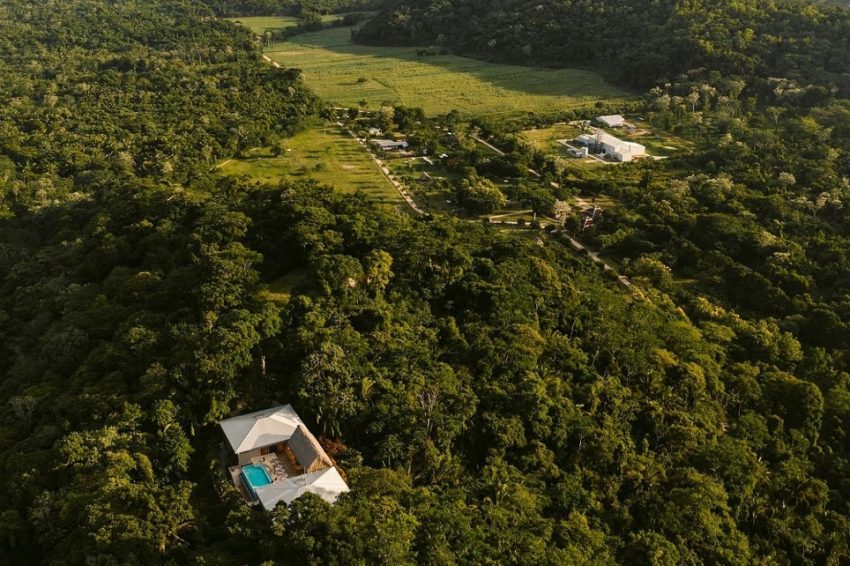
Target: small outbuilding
point(390, 145)
point(588, 140)
point(611, 121)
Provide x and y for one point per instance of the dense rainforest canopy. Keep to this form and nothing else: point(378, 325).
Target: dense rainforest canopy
point(492, 397)
point(287, 7)
point(636, 43)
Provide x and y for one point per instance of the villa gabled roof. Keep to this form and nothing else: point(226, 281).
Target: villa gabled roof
point(262, 428)
point(327, 484)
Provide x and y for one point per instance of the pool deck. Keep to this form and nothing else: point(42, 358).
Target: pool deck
point(280, 466)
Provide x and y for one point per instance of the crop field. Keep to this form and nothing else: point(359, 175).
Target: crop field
point(326, 154)
point(261, 24)
point(344, 73)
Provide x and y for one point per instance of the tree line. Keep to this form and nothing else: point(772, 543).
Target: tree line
point(790, 38)
point(239, 8)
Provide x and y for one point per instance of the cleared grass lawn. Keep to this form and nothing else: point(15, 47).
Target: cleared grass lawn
point(658, 142)
point(279, 290)
point(345, 73)
point(326, 154)
point(430, 195)
point(546, 139)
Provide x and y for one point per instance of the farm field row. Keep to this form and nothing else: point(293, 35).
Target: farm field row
point(325, 154)
point(261, 24)
point(345, 73)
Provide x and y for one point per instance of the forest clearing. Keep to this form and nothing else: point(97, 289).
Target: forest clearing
point(325, 154)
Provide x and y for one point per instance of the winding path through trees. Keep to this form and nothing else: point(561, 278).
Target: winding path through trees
point(577, 246)
point(386, 171)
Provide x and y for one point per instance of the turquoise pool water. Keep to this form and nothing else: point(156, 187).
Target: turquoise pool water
point(255, 476)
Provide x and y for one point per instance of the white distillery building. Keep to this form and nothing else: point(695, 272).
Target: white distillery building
point(614, 148)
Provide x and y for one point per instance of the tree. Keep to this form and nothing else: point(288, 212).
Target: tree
point(653, 271)
point(480, 196)
point(378, 269)
point(327, 388)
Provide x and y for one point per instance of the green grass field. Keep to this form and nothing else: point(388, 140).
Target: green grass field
point(261, 24)
point(658, 142)
point(345, 73)
point(279, 290)
point(326, 154)
point(546, 139)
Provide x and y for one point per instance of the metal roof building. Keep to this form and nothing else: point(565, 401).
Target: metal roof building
point(388, 145)
point(611, 121)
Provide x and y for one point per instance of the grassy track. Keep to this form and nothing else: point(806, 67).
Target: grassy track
point(345, 73)
point(325, 154)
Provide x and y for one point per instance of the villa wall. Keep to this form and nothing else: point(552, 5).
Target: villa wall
point(245, 457)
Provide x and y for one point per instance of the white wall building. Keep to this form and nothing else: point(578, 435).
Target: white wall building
point(618, 149)
point(614, 148)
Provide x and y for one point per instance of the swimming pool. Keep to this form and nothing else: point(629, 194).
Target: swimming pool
point(255, 476)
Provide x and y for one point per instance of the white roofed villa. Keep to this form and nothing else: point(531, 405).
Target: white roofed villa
point(278, 459)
